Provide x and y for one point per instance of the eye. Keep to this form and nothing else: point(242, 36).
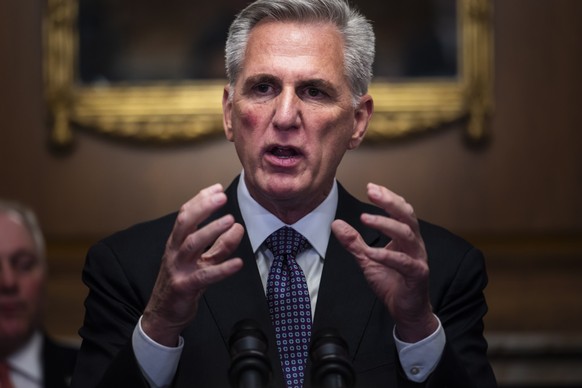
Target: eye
point(24, 262)
point(263, 88)
point(314, 93)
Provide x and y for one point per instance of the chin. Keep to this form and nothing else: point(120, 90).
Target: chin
point(284, 186)
point(14, 332)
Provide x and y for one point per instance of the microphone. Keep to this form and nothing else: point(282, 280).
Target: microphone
point(249, 366)
point(331, 365)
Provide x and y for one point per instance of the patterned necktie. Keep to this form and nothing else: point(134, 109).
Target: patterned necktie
point(5, 381)
point(289, 303)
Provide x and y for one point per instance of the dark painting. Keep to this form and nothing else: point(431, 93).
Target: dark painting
point(136, 40)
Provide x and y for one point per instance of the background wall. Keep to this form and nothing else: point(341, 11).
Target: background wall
point(518, 198)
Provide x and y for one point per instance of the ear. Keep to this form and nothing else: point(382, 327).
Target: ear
point(227, 113)
point(362, 116)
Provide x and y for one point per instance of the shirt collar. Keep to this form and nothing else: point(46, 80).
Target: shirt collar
point(260, 223)
point(27, 359)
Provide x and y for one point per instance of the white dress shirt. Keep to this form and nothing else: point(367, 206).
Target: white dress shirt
point(159, 363)
point(26, 364)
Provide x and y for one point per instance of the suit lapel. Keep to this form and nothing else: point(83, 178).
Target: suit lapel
point(57, 365)
point(234, 298)
point(229, 299)
point(345, 300)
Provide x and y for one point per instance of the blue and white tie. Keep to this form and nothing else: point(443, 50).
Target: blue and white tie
point(289, 303)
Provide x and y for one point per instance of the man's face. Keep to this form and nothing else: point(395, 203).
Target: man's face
point(22, 279)
point(292, 115)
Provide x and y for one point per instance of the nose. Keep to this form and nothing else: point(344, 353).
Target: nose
point(7, 277)
point(287, 110)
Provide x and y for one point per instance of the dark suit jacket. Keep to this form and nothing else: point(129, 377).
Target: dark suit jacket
point(58, 363)
point(121, 270)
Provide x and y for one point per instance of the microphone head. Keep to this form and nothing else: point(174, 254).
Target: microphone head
point(249, 364)
point(330, 359)
point(247, 337)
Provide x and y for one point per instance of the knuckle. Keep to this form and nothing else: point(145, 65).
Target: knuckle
point(409, 210)
point(182, 218)
point(190, 244)
point(226, 245)
point(203, 277)
point(351, 238)
point(409, 234)
point(185, 207)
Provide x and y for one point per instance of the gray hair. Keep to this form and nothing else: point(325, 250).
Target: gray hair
point(28, 218)
point(356, 30)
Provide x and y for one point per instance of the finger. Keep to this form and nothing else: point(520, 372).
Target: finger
point(403, 236)
point(211, 274)
point(401, 262)
point(197, 242)
point(369, 257)
point(224, 245)
point(349, 238)
point(195, 211)
point(395, 205)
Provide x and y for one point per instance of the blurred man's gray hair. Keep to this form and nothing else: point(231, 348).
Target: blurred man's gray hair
point(27, 217)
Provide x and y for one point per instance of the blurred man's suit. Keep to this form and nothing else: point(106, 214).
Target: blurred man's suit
point(58, 363)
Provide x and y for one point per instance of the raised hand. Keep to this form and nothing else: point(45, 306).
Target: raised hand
point(188, 268)
point(398, 272)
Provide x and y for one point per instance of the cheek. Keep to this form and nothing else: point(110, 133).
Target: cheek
point(249, 118)
point(337, 134)
point(249, 121)
point(33, 289)
point(334, 142)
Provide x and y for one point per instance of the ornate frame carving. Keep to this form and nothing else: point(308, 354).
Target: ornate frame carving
point(190, 110)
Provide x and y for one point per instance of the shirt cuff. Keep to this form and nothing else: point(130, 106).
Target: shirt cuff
point(158, 363)
point(420, 359)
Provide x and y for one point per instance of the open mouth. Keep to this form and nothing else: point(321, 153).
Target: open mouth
point(283, 152)
point(11, 308)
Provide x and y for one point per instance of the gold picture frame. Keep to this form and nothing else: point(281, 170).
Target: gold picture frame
point(180, 111)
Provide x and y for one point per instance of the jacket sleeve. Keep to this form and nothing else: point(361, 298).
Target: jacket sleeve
point(113, 308)
point(460, 305)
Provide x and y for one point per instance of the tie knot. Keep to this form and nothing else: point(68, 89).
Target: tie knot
point(287, 242)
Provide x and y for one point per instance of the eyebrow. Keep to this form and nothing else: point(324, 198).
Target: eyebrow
point(268, 78)
point(320, 84)
point(259, 78)
point(22, 252)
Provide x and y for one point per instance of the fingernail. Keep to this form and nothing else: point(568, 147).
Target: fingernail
point(373, 190)
point(218, 197)
point(226, 220)
point(217, 187)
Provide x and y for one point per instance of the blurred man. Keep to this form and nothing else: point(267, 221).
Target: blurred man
point(28, 358)
point(285, 244)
